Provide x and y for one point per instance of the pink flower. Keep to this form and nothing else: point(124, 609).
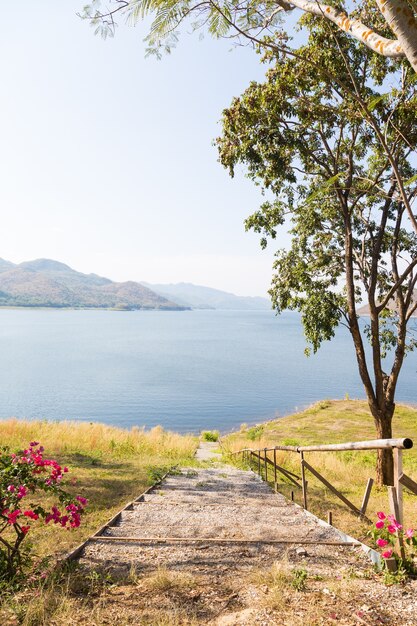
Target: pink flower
point(31, 514)
point(381, 543)
point(409, 533)
point(12, 517)
point(387, 554)
point(82, 500)
point(391, 529)
point(25, 529)
point(380, 524)
point(381, 515)
point(11, 488)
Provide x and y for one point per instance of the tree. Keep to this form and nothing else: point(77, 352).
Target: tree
point(387, 27)
point(335, 152)
point(335, 145)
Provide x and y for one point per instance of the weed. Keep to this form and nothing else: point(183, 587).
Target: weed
point(299, 577)
point(155, 474)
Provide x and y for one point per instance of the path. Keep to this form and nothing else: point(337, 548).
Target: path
point(218, 525)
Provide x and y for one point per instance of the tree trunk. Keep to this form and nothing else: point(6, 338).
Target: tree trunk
point(385, 461)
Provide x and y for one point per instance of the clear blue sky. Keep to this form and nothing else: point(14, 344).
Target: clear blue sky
point(106, 157)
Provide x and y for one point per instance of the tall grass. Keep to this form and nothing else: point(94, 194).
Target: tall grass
point(100, 440)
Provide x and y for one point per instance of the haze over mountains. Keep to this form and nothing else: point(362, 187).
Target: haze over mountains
point(49, 283)
point(199, 297)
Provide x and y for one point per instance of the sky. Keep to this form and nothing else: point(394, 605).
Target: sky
point(106, 157)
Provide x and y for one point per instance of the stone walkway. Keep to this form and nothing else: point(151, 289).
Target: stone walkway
point(214, 504)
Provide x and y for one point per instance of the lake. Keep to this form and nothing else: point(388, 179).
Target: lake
point(187, 370)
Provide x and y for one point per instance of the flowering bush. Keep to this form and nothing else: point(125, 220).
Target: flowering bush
point(22, 477)
point(388, 534)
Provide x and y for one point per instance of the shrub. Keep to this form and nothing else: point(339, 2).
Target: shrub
point(255, 432)
point(210, 435)
point(23, 476)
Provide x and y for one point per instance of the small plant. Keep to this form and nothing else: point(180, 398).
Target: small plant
point(155, 474)
point(22, 477)
point(255, 432)
point(210, 435)
point(299, 577)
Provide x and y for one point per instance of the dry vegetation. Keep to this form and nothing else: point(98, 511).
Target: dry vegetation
point(108, 465)
point(333, 421)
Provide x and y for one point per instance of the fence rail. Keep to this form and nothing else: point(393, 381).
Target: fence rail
point(260, 457)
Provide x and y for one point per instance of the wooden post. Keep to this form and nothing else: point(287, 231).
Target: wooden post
point(395, 511)
point(275, 466)
point(303, 480)
point(366, 495)
point(398, 470)
point(292, 496)
point(259, 462)
point(266, 465)
point(330, 518)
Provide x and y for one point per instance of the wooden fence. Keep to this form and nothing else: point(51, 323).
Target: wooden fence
point(261, 458)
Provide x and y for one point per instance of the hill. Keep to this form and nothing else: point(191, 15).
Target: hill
point(199, 297)
point(48, 283)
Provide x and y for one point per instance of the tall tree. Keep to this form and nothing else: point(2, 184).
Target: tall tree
point(387, 27)
point(336, 153)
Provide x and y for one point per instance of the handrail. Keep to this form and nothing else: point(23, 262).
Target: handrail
point(375, 444)
point(260, 455)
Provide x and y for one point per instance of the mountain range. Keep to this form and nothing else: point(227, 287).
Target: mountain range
point(49, 283)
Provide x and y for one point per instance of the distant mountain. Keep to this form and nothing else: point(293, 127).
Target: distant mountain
point(48, 283)
point(198, 297)
point(364, 310)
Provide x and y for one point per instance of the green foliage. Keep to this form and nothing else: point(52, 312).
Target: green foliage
point(210, 435)
point(332, 155)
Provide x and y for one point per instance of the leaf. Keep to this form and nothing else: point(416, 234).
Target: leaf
point(410, 181)
point(375, 100)
point(324, 187)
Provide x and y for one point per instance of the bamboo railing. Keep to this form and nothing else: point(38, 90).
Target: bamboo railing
point(259, 457)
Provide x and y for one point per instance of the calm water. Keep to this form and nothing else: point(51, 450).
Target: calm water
point(184, 370)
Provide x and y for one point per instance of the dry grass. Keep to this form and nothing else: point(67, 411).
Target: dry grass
point(334, 421)
point(165, 580)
